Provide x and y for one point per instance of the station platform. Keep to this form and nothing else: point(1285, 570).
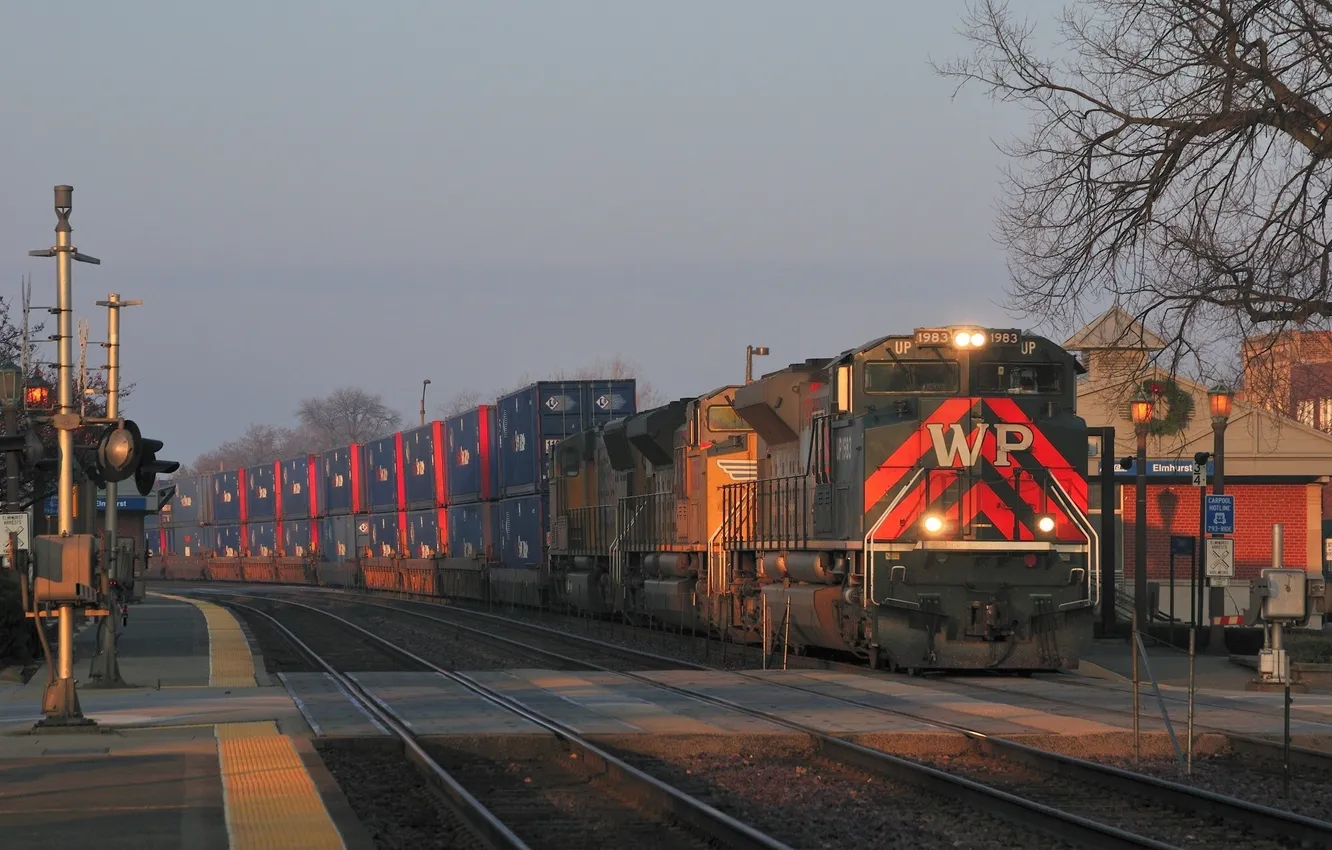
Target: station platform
point(197, 749)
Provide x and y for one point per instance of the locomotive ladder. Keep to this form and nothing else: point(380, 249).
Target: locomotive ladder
point(616, 552)
point(717, 586)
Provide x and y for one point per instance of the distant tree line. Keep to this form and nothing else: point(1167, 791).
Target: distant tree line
point(347, 415)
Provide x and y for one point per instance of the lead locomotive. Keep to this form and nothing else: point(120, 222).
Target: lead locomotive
point(920, 501)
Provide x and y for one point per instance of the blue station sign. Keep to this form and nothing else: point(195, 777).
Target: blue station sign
point(123, 503)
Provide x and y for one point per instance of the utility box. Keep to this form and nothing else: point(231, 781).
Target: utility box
point(1286, 595)
point(63, 568)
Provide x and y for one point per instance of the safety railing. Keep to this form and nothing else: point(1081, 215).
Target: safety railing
point(590, 529)
point(771, 513)
point(867, 547)
point(654, 523)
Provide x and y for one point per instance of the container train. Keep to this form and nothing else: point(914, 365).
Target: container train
point(919, 501)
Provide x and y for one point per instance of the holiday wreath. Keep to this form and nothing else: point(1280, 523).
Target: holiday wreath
point(1178, 407)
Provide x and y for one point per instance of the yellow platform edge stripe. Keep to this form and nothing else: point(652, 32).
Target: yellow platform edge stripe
point(269, 797)
point(230, 662)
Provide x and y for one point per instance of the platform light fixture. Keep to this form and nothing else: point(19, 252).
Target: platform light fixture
point(752, 351)
point(1142, 410)
point(1221, 400)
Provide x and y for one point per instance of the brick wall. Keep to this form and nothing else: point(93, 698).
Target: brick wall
point(1173, 509)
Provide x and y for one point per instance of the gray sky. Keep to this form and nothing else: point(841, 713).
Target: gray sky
point(308, 195)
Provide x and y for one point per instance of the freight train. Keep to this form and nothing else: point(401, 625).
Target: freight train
point(920, 502)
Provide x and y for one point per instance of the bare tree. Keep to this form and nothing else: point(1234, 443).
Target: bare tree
point(1177, 164)
point(460, 402)
point(348, 415)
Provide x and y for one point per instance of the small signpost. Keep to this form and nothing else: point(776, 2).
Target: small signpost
point(1220, 514)
point(13, 524)
point(1220, 560)
point(1199, 470)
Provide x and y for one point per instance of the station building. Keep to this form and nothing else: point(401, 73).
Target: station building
point(1277, 467)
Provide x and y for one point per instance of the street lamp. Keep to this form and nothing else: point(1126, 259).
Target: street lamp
point(424, 384)
point(1141, 411)
point(752, 351)
point(1221, 400)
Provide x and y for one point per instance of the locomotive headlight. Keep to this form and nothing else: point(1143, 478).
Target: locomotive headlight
point(962, 340)
point(1045, 524)
point(977, 339)
point(933, 524)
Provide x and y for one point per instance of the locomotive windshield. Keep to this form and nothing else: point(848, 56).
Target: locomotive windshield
point(1020, 378)
point(933, 376)
point(722, 417)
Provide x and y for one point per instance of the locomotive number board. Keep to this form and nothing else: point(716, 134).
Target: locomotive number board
point(947, 336)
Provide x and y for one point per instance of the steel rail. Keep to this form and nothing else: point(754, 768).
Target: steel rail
point(1184, 797)
point(478, 818)
point(652, 793)
point(1047, 819)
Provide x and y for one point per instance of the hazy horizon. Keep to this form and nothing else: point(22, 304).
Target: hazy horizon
point(308, 196)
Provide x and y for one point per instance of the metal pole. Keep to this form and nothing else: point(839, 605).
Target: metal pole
point(786, 636)
point(61, 703)
point(13, 498)
point(1285, 747)
point(1137, 743)
point(1193, 639)
point(764, 598)
point(1200, 554)
point(1216, 596)
point(1109, 555)
point(107, 669)
point(1140, 535)
point(424, 384)
point(749, 364)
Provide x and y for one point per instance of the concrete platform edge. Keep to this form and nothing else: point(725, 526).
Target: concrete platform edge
point(354, 834)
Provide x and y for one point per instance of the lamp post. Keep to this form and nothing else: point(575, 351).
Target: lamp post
point(11, 397)
point(752, 351)
point(1142, 410)
point(1220, 400)
point(424, 384)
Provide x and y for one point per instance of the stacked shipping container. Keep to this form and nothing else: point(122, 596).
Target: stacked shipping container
point(473, 487)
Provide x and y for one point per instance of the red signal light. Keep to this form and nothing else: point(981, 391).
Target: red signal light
point(37, 396)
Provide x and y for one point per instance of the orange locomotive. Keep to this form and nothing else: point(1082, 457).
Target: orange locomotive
point(919, 501)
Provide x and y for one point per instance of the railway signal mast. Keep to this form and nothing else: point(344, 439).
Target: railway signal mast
point(64, 563)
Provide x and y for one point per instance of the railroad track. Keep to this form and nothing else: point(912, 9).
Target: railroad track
point(1319, 762)
point(1200, 818)
point(516, 819)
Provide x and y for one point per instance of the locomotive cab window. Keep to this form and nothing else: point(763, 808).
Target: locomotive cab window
point(722, 417)
point(1021, 378)
point(930, 376)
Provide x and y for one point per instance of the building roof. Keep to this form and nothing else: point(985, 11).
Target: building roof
point(1115, 330)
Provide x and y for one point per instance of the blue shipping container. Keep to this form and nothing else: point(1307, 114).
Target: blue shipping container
point(225, 501)
point(260, 493)
point(189, 506)
point(226, 542)
point(384, 541)
point(520, 531)
point(296, 542)
point(339, 476)
point(473, 467)
point(186, 540)
point(261, 539)
point(381, 473)
point(296, 478)
point(337, 537)
point(535, 418)
point(423, 467)
point(470, 531)
point(427, 533)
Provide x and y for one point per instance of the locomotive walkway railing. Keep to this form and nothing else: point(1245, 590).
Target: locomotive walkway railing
point(590, 530)
point(772, 513)
point(655, 524)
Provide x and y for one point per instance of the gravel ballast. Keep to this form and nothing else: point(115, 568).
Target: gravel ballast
point(778, 784)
